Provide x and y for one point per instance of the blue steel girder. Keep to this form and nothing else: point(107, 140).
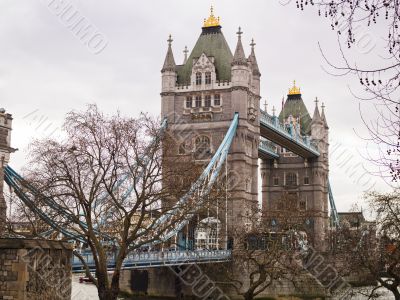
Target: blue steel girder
point(10, 180)
point(202, 186)
point(273, 130)
point(334, 213)
point(24, 190)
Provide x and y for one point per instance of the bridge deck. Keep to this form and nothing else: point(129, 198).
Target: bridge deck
point(267, 150)
point(271, 129)
point(157, 259)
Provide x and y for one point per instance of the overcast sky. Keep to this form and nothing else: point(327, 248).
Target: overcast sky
point(47, 71)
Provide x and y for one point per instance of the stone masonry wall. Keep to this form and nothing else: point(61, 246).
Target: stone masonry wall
point(35, 270)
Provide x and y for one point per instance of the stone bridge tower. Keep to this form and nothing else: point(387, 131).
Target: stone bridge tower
point(5, 150)
point(200, 97)
point(295, 189)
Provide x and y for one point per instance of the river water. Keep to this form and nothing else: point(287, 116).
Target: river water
point(87, 291)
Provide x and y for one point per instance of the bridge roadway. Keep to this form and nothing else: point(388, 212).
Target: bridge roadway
point(151, 259)
point(285, 136)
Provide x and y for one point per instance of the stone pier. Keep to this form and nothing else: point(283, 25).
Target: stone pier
point(35, 269)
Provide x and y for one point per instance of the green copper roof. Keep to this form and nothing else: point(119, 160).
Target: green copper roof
point(211, 42)
point(295, 106)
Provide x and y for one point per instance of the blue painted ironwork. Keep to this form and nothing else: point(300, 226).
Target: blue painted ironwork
point(273, 123)
point(13, 180)
point(269, 148)
point(334, 213)
point(136, 260)
point(202, 186)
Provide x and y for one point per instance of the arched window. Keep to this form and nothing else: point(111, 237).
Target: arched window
point(202, 147)
point(208, 77)
point(291, 179)
point(198, 78)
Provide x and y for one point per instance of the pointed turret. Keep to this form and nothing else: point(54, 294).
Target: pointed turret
point(242, 82)
point(253, 60)
point(316, 117)
point(168, 72)
point(169, 62)
point(317, 125)
point(239, 57)
point(323, 117)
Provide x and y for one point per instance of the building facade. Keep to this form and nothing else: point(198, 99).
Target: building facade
point(199, 98)
point(295, 189)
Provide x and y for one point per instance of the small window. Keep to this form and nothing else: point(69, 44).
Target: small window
point(198, 78)
point(291, 179)
point(306, 180)
point(188, 102)
point(207, 101)
point(208, 77)
point(198, 101)
point(276, 180)
point(217, 100)
point(303, 205)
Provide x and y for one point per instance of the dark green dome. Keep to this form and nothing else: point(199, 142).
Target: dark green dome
point(295, 106)
point(211, 42)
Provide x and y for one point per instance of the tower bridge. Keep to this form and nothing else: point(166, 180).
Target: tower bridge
point(211, 103)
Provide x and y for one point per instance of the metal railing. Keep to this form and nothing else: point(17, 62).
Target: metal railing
point(268, 147)
point(157, 258)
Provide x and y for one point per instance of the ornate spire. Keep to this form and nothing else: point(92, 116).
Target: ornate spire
point(253, 60)
point(169, 63)
point(212, 21)
point(323, 115)
point(294, 90)
point(185, 52)
point(239, 58)
point(316, 116)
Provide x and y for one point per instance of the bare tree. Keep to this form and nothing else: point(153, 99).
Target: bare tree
point(263, 257)
point(370, 251)
point(362, 26)
point(387, 208)
point(107, 178)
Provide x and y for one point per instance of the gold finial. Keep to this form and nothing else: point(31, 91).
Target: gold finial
point(294, 90)
point(212, 21)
